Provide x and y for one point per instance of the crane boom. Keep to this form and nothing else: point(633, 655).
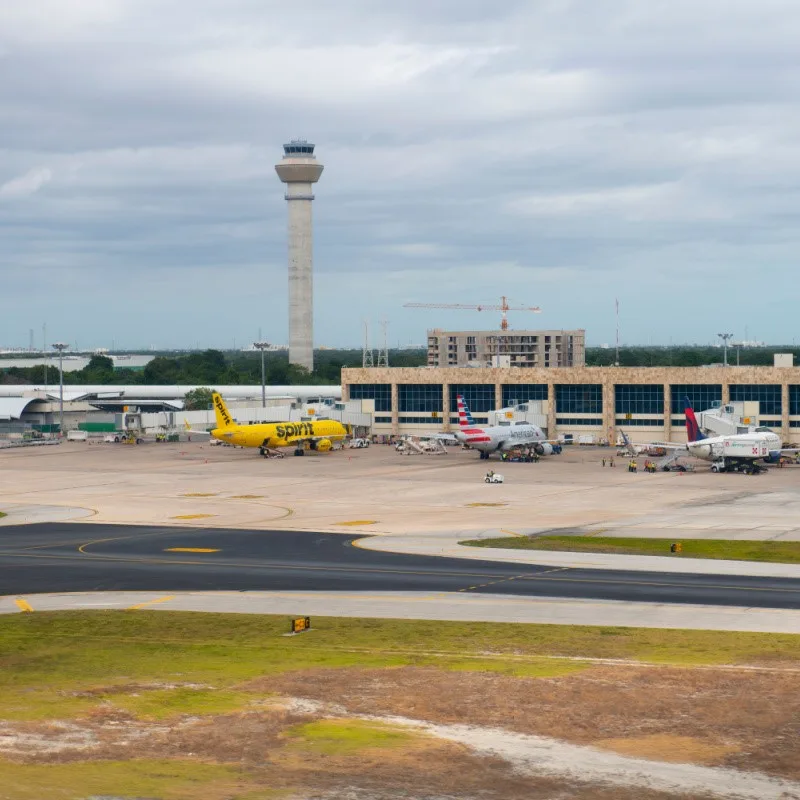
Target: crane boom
point(503, 307)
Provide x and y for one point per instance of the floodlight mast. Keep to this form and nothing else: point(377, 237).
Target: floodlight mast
point(61, 347)
point(725, 337)
point(262, 346)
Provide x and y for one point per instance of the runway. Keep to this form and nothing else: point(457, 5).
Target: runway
point(74, 557)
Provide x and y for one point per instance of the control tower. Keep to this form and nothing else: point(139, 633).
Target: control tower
point(299, 169)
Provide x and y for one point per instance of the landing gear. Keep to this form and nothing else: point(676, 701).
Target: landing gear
point(484, 456)
point(299, 452)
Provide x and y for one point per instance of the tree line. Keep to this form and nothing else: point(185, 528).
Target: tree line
point(211, 367)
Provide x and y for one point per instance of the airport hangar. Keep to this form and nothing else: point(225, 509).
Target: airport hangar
point(646, 402)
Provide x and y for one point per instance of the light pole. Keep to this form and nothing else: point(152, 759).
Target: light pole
point(61, 347)
point(262, 346)
point(725, 337)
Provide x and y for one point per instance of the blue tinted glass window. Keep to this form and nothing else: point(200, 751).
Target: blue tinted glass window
point(702, 396)
point(639, 398)
point(794, 400)
point(579, 398)
point(381, 393)
point(420, 397)
point(589, 422)
point(768, 396)
point(478, 396)
point(522, 392)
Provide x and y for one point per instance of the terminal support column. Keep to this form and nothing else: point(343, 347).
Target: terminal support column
point(345, 392)
point(498, 395)
point(726, 393)
point(551, 411)
point(667, 412)
point(395, 410)
point(446, 407)
point(609, 412)
point(786, 433)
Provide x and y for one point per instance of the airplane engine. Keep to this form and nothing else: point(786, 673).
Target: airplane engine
point(701, 450)
point(323, 445)
point(543, 449)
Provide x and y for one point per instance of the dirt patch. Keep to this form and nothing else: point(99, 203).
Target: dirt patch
point(753, 718)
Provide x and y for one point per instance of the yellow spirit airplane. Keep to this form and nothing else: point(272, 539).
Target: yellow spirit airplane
point(317, 435)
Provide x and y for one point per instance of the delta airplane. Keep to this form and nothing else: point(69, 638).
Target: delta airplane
point(493, 438)
point(317, 435)
point(738, 452)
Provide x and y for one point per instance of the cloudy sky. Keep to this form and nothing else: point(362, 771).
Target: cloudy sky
point(560, 152)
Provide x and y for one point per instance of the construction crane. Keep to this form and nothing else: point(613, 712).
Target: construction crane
point(504, 308)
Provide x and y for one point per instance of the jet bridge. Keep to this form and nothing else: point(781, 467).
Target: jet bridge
point(727, 419)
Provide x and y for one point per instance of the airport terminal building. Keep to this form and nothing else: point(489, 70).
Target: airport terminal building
point(646, 402)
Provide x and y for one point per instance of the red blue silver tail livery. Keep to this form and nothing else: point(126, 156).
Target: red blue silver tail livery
point(693, 432)
point(492, 438)
point(464, 417)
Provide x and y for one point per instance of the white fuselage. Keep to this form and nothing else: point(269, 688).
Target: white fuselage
point(491, 438)
point(745, 446)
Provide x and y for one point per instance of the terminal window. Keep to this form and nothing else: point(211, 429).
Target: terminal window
point(420, 397)
point(579, 398)
point(768, 396)
point(522, 392)
point(478, 396)
point(381, 393)
point(639, 398)
point(794, 401)
point(702, 396)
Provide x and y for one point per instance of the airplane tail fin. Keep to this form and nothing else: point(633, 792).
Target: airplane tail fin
point(693, 432)
point(464, 417)
point(224, 419)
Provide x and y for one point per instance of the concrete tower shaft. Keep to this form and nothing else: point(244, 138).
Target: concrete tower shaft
point(299, 169)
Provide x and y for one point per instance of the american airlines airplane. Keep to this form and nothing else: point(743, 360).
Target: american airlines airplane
point(499, 438)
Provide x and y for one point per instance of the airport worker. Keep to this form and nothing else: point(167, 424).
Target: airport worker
point(604, 462)
point(611, 462)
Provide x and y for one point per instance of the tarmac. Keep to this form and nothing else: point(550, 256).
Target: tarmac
point(422, 505)
point(414, 605)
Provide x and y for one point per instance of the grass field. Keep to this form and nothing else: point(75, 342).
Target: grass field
point(52, 663)
point(153, 688)
point(738, 550)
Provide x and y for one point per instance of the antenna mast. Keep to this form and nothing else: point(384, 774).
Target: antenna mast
point(383, 352)
point(367, 360)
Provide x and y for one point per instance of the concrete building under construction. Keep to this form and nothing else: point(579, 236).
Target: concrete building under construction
point(506, 348)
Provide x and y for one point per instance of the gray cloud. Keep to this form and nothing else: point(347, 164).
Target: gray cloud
point(562, 153)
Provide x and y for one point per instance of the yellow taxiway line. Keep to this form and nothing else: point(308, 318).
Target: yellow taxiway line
point(23, 605)
point(151, 602)
point(191, 550)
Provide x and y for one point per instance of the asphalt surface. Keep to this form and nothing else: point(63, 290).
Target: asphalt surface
point(73, 557)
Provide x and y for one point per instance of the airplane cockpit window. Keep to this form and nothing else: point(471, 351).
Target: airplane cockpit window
point(524, 422)
point(504, 423)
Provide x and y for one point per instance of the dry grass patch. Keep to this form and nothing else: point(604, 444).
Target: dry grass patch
point(738, 719)
point(668, 747)
point(254, 755)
